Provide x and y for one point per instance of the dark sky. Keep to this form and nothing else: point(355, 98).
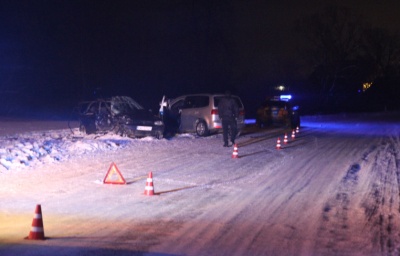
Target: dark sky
point(62, 50)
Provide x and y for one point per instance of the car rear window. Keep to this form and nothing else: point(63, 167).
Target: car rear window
point(237, 99)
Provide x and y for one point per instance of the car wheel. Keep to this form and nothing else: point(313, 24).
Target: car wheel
point(159, 135)
point(201, 128)
point(128, 133)
point(295, 123)
point(123, 131)
point(260, 124)
point(298, 123)
point(82, 129)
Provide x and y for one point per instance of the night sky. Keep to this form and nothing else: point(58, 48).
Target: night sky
point(56, 53)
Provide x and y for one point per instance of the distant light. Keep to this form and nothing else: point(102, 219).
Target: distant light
point(280, 87)
point(366, 86)
point(286, 97)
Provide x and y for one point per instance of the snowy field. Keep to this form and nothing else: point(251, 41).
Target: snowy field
point(332, 190)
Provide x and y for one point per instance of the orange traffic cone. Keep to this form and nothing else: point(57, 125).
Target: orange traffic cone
point(285, 139)
point(37, 231)
point(278, 143)
point(297, 129)
point(293, 135)
point(235, 153)
point(149, 189)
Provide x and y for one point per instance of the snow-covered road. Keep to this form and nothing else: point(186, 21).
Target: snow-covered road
point(333, 190)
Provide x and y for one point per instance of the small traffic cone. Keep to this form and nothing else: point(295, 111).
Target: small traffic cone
point(149, 189)
point(293, 135)
point(235, 153)
point(37, 231)
point(297, 129)
point(278, 143)
point(285, 139)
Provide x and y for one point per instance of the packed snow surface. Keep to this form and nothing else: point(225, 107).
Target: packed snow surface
point(333, 189)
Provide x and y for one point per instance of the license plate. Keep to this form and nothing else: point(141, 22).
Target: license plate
point(144, 128)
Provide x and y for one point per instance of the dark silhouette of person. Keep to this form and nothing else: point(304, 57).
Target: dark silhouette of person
point(228, 111)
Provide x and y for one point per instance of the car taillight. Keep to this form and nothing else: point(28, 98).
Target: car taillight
point(241, 113)
point(214, 111)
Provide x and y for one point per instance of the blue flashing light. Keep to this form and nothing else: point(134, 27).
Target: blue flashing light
point(286, 97)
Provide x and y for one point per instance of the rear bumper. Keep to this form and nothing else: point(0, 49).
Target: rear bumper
point(217, 126)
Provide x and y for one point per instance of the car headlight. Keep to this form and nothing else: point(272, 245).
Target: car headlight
point(158, 122)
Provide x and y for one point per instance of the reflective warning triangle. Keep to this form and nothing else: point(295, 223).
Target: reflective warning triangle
point(114, 176)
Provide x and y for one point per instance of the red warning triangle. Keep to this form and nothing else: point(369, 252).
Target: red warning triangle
point(114, 176)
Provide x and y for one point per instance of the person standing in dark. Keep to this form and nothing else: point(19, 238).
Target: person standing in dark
point(228, 111)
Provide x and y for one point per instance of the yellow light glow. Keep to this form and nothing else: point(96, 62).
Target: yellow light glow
point(366, 86)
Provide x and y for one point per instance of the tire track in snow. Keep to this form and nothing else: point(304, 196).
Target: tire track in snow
point(335, 221)
point(334, 227)
point(381, 206)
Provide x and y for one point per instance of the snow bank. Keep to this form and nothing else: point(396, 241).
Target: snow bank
point(29, 149)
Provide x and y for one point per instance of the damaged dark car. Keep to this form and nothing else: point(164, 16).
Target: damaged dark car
point(120, 115)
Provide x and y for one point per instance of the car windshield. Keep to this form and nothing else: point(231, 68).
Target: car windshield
point(124, 104)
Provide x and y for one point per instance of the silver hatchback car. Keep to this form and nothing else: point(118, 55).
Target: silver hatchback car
point(198, 113)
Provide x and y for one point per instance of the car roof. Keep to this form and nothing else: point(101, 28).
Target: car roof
point(203, 94)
